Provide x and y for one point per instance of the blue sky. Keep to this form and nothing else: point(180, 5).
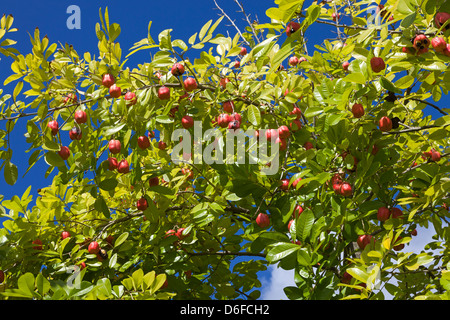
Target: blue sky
point(184, 17)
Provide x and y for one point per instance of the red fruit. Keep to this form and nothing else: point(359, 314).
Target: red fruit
point(385, 124)
point(364, 240)
point(308, 145)
point(2, 276)
point(223, 120)
point(143, 142)
point(190, 84)
point(346, 278)
point(439, 44)
point(170, 232)
point(237, 64)
point(177, 69)
point(114, 146)
point(414, 233)
point(396, 213)
point(297, 112)
point(235, 117)
point(357, 110)
point(108, 80)
point(228, 106)
point(284, 185)
point(292, 27)
point(64, 153)
point(440, 18)
point(130, 97)
point(345, 65)
point(295, 182)
point(301, 59)
point(290, 224)
point(400, 246)
point(142, 204)
point(162, 145)
point(93, 247)
point(38, 244)
point(243, 51)
point(383, 214)
point(283, 132)
point(80, 116)
point(435, 155)
point(421, 43)
point(115, 91)
point(271, 133)
point(337, 187)
point(75, 133)
point(151, 134)
point(282, 143)
point(223, 82)
point(298, 211)
point(234, 125)
point(293, 61)
point(377, 64)
point(164, 93)
point(335, 16)
point(112, 164)
point(346, 189)
point(447, 50)
point(81, 265)
point(123, 166)
point(187, 172)
point(375, 149)
point(65, 234)
point(263, 220)
point(187, 122)
point(54, 127)
point(179, 233)
point(153, 181)
point(336, 178)
point(71, 97)
point(295, 125)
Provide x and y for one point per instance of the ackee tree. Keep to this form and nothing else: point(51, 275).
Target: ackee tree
point(363, 164)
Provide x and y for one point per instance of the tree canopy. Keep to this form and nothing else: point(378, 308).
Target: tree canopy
point(356, 128)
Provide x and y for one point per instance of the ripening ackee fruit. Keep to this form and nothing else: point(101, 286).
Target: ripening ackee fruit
point(164, 93)
point(115, 91)
point(292, 27)
point(190, 84)
point(263, 220)
point(80, 116)
point(177, 69)
point(357, 110)
point(108, 80)
point(377, 64)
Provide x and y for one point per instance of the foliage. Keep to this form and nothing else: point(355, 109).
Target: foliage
point(217, 207)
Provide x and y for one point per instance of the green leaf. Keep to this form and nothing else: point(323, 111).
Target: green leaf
point(42, 284)
point(101, 206)
point(404, 82)
point(121, 239)
point(304, 224)
point(108, 184)
point(26, 284)
point(281, 250)
point(114, 31)
point(358, 274)
point(388, 85)
point(355, 77)
point(253, 115)
point(10, 172)
point(203, 30)
point(113, 260)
